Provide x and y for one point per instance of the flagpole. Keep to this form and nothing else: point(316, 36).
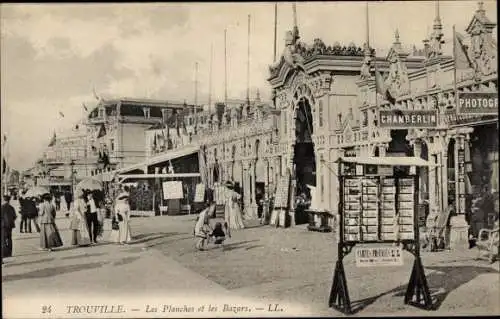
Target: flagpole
point(4, 161)
point(195, 84)
point(455, 88)
point(248, 63)
point(210, 77)
point(275, 28)
point(225, 67)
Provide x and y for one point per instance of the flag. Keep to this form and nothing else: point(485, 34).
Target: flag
point(462, 60)
point(379, 83)
point(85, 107)
point(61, 114)
point(95, 94)
point(4, 166)
point(53, 140)
point(104, 158)
point(102, 131)
point(382, 89)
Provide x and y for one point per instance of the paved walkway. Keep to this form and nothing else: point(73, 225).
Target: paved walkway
point(259, 266)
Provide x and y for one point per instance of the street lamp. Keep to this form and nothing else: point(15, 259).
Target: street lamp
point(72, 176)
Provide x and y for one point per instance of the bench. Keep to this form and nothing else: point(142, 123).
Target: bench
point(487, 242)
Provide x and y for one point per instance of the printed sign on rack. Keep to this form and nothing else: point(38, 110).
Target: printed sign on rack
point(477, 103)
point(379, 256)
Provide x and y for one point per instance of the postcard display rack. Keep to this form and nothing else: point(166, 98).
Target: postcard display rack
point(378, 209)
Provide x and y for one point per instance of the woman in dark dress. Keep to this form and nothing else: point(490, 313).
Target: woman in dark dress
point(49, 234)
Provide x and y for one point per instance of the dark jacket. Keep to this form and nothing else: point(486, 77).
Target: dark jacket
point(31, 210)
point(8, 217)
point(23, 209)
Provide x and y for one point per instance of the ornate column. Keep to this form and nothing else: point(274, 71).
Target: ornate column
point(458, 233)
point(432, 178)
point(253, 204)
point(246, 187)
point(382, 149)
point(444, 177)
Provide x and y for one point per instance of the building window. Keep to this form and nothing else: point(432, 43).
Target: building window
point(101, 112)
point(320, 113)
point(339, 118)
point(365, 118)
point(112, 144)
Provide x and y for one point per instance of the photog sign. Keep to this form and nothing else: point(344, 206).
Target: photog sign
point(408, 118)
point(477, 103)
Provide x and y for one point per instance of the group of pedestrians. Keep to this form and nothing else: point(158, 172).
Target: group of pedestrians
point(86, 220)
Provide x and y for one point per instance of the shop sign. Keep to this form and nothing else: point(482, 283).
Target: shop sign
point(379, 256)
point(408, 118)
point(477, 103)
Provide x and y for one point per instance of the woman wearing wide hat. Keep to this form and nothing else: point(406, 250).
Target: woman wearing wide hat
point(232, 211)
point(121, 216)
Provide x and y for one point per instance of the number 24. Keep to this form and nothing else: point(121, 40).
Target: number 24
point(46, 309)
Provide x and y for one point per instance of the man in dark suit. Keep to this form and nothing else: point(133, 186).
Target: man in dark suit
point(8, 223)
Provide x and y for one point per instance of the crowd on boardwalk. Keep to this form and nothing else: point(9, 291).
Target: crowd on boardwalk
point(86, 216)
point(86, 211)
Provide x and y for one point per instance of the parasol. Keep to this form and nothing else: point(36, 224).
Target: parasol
point(36, 191)
point(90, 184)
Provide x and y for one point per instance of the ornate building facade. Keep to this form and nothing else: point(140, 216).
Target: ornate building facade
point(327, 102)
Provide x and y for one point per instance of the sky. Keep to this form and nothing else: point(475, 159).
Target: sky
point(54, 55)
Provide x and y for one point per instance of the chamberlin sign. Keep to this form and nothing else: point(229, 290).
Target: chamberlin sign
point(477, 103)
point(408, 118)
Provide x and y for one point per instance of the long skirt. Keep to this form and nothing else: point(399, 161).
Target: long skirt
point(80, 235)
point(232, 216)
point(49, 236)
point(122, 235)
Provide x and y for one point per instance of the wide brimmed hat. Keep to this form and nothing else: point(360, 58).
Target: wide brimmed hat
point(123, 195)
point(229, 184)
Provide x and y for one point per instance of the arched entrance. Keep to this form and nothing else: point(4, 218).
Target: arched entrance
point(304, 157)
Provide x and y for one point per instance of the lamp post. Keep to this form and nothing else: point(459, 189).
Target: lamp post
point(100, 167)
point(72, 165)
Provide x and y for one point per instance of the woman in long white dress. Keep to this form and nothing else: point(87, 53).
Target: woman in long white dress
point(78, 224)
point(122, 216)
point(232, 211)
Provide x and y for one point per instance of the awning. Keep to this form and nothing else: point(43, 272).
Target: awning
point(122, 178)
point(387, 160)
point(167, 156)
